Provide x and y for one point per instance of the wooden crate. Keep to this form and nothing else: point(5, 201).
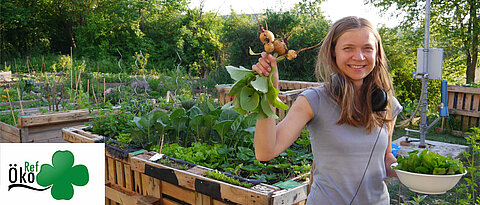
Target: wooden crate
point(43, 127)
point(289, 91)
point(191, 187)
point(463, 105)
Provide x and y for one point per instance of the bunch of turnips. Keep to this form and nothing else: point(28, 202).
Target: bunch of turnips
point(253, 92)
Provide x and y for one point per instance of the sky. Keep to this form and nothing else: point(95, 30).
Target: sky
point(332, 9)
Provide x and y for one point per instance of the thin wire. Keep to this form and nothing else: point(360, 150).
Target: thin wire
point(368, 163)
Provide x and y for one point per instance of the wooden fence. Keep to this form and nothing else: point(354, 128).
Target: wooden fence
point(463, 108)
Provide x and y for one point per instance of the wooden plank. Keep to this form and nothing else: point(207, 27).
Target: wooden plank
point(151, 186)
point(476, 102)
point(45, 136)
point(241, 195)
point(4, 127)
point(467, 107)
point(468, 102)
point(461, 89)
point(216, 202)
point(178, 192)
point(451, 99)
point(73, 115)
point(129, 183)
point(460, 101)
point(138, 186)
point(202, 199)
point(106, 169)
point(464, 112)
point(112, 177)
point(118, 196)
point(166, 201)
point(125, 197)
point(120, 174)
point(291, 196)
point(72, 135)
point(9, 137)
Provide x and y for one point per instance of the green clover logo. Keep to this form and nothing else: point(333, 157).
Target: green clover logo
point(62, 175)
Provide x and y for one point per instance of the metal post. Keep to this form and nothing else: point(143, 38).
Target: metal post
point(423, 104)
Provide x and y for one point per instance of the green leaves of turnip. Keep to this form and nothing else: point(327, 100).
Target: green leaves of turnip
point(254, 93)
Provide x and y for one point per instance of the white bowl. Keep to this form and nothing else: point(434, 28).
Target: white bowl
point(427, 183)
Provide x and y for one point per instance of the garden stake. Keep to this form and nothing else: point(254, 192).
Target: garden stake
point(88, 86)
point(94, 96)
point(20, 100)
point(161, 145)
point(71, 69)
point(33, 68)
point(28, 67)
point(48, 93)
point(43, 65)
point(63, 94)
point(398, 192)
point(71, 79)
point(104, 91)
point(76, 84)
point(11, 107)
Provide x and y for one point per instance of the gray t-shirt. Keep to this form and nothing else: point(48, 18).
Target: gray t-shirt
point(341, 153)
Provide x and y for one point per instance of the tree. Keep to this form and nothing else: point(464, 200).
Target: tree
point(454, 25)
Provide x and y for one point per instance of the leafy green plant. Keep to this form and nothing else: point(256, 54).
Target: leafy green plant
point(202, 125)
point(149, 128)
point(416, 200)
point(178, 122)
point(254, 93)
point(222, 177)
point(428, 162)
point(124, 139)
point(471, 188)
point(111, 122)
point(7, 118)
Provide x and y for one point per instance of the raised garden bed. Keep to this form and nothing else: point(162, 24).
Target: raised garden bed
point(42, 127)
point(189, 183)
point(183, 184)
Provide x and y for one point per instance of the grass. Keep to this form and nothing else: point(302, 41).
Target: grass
point(407, 196)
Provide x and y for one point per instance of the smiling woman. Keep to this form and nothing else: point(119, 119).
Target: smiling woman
point(347, 129)
point(355, 54)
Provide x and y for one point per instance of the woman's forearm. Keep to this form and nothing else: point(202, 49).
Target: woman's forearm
point(265, 139)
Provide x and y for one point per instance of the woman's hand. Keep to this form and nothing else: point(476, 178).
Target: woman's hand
point(389, 160)
point(265, 65)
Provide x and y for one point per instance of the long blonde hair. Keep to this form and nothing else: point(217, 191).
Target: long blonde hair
point(353, 113)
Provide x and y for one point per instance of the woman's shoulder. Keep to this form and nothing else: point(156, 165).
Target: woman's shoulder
point(397, 107)
point(315, 91)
